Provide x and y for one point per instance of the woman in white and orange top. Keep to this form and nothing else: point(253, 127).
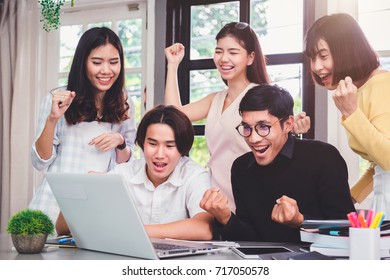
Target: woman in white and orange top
point(241, 63)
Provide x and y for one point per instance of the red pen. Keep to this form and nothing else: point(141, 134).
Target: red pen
point(355, 219)
point(351, 220)
point(370, 216)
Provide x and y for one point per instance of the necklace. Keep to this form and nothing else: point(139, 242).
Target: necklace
point(99, 116)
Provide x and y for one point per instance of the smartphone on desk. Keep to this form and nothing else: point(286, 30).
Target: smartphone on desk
point(255, 252)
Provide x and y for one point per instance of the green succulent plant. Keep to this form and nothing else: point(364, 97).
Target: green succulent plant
point(30, 222)
point(50, 13)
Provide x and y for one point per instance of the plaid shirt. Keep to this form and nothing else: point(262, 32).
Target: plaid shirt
point(69, 154)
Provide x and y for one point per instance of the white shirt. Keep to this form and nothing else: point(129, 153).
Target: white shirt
point(97, 160)
point(176, 199)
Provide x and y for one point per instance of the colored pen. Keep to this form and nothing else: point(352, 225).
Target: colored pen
point(355, 219)
point(362, 213)
point(65, 240)
point(338, 233)
point(380, 215)
point(381, 221)
point(351, 221)
point(375, 221)
point(333, 232)
point(370, 215)
point(362, 221)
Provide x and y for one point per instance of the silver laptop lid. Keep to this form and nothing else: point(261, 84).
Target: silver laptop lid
point(101, 214)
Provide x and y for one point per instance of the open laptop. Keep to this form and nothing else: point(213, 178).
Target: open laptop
point(102, 216)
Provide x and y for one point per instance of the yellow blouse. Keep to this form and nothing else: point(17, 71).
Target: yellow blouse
point(368, 130)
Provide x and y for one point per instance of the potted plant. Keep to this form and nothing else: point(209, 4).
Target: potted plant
point(50, 13)
point(29, 230)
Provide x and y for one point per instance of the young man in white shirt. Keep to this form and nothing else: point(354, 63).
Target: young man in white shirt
point(166, 185)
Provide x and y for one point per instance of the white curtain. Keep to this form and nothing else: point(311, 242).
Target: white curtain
point(19, 73)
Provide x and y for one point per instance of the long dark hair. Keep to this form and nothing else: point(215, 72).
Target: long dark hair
point(115, 107)
point(247, 38)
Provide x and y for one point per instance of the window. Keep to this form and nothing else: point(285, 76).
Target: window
point(128, 21)
point(195, 23)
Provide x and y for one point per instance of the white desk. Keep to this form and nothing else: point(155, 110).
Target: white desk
point(6, 253)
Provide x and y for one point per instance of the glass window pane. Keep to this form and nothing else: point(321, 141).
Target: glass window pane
point(62, 82)
point(385, 63)
point(374, 16)
point(130, 33)
point(206, 21)
point(69, 37)
point(289, 77)
point(133, 87)
point(202, 83)
point(280, 30)
point(199, 152)
point(100, 24)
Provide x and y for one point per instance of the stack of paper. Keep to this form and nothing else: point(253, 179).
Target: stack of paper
point(341, 252)
point(331, 238)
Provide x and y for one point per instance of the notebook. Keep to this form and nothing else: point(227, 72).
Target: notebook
point(102, 216)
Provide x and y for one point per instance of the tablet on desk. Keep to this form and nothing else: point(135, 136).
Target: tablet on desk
point(254, 252)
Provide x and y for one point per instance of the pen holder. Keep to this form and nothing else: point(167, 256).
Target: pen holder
point(364, 243)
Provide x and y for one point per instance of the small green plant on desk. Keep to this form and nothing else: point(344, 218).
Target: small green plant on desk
point(29, 230)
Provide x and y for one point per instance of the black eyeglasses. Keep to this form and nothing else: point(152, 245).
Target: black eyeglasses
point(261, 129)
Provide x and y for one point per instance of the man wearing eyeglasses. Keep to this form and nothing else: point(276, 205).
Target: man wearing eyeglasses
point(283, 180)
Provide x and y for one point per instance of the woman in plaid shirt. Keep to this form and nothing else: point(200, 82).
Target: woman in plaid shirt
point(89, 124)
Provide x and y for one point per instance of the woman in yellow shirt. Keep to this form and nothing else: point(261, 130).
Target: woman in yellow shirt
point(343, 60)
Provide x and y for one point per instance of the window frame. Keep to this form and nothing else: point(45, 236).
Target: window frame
point(88, 13)
point(178, 30)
